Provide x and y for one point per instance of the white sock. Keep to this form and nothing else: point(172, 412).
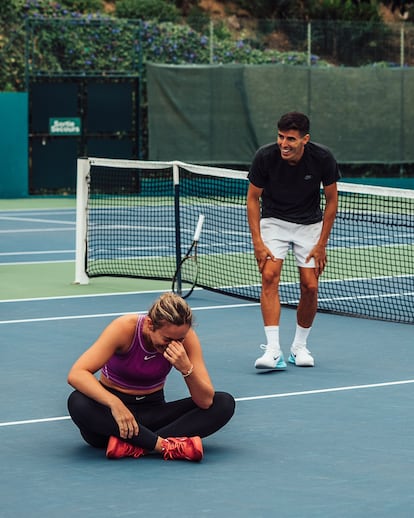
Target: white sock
point(301, 336)
point(272, 335)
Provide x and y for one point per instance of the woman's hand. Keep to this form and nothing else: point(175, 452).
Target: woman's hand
point(128, 427)
point(176, 354)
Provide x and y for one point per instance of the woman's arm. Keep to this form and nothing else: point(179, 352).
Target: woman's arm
point(187, 357)
point(116, 337)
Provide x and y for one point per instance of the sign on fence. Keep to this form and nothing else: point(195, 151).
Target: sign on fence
point(65, 126)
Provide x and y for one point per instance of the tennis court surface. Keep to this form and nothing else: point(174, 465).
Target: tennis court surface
point(332, 441)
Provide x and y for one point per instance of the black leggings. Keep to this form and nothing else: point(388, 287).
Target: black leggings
point(155, 417)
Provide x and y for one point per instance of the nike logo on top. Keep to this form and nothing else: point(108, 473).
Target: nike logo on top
point(148, 357)
point(307, 177)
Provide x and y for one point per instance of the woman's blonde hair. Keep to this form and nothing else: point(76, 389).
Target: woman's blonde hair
point(172, 309)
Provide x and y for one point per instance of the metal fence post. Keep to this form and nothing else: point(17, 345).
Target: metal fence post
point(211, 41)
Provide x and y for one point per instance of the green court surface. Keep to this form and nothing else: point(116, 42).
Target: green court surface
point(56, 280)
point(38, 202)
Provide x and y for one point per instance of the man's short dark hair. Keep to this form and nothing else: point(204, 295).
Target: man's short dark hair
point(294, 121)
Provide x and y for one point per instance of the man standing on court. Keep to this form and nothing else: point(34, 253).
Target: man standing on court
point(284, 210)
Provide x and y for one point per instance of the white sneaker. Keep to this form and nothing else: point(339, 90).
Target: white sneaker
point(301, 357)
point(271, 359)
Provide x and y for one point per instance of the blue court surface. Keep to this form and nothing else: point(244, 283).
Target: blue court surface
point(330, 441)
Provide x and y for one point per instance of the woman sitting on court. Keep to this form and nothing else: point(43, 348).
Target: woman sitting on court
point(125, 410)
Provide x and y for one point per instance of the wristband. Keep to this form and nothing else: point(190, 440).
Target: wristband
point(190, 370)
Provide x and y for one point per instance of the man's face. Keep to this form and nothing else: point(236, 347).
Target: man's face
point(291, 145)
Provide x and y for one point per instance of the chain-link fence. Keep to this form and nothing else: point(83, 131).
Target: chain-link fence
point(111, 46)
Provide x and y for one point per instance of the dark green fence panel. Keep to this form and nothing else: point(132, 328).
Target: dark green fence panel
point(13, 145)
point(94, 116)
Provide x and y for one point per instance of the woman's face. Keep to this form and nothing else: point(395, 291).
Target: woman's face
point(166, 334)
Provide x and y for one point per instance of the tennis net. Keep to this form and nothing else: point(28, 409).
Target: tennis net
point(137, 219)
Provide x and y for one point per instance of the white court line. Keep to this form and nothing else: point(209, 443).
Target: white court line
point(100, 315)
point(41, 252)
point(30, 230)
point(325, 391)
point(37, 220)
point(20, 263)
point(250, 398)
point(35, 421)
point(86, 295)
point(26, 212)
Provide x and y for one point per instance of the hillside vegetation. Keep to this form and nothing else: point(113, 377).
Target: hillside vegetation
point(72, 37)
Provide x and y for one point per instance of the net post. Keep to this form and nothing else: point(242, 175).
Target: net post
point(176, 180)
point(83, 168)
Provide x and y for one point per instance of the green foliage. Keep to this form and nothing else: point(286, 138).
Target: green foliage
point(146, 10)
point(198, 19)
point(46, 9)
point(83, 6)
point(313, 9)
point(221, 31)
point(343, 10)
point(282, 9)
point(9, 9)
point(61, 41)
point(92, 46)
point(186, 5)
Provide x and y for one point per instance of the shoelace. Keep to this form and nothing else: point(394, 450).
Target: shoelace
point(267, 350)
point(133, 451)
point(302, 349)
point(175, 449)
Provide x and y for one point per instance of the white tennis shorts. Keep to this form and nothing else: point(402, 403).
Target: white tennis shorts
point(280, 236)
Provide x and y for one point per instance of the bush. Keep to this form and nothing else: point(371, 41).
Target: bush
point(83, 6)
point(344, 10)
point(9, 9)
point(146, 10)
point(61, 41)
point(281, 9)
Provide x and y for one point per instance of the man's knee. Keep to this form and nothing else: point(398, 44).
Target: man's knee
point(309, 289)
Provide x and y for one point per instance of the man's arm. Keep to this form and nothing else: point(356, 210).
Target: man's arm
point(319, 250)
point(261, 252)
point(331, 196)
point(253, 214)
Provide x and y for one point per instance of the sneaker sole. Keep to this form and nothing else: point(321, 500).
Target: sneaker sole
point(292, 360)
point(280, 366)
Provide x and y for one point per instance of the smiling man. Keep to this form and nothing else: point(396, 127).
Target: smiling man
point(284, 211)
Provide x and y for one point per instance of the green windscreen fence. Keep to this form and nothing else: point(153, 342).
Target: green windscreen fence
point(220, 114)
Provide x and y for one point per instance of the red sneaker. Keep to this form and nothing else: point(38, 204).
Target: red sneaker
point(188, 448)
point(117, 448)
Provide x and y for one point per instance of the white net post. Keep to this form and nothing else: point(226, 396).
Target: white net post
point(83, 168)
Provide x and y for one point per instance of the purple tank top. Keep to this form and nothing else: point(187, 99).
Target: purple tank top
point(137, 368)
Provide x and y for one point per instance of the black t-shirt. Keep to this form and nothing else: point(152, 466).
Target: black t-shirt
point(292, 192)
